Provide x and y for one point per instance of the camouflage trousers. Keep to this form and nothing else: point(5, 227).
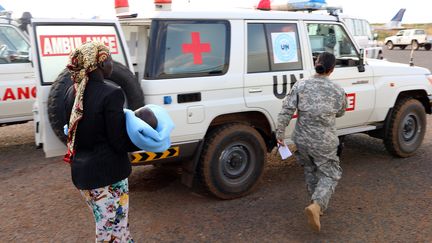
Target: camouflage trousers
point(321, 170)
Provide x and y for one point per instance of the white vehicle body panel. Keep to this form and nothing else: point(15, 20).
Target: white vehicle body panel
point(17, 81)
point(236, 91)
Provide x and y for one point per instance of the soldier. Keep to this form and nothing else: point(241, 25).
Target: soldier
point(318, 102)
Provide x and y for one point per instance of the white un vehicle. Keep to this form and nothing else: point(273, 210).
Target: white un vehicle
point(222, 76)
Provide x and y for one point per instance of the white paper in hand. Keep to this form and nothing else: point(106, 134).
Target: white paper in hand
point(284, 151)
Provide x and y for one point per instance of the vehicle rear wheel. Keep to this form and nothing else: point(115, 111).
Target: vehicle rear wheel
point(405, 128)
point(390, 45)
point(415, 45)
point(121, 76)
point(402, 47)
point(427, 46)
point(380, 55)
point(232, 161)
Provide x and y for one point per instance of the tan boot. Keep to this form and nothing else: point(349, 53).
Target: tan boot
point(313, 213)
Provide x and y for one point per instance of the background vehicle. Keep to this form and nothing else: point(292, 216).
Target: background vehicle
point(222, 76)
point(364, 36)
point(415, 37)
point(17, 80)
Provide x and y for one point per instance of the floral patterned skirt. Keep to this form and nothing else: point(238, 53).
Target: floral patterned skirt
point(110, 207)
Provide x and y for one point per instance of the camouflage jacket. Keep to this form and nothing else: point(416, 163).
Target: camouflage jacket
point(318, 102)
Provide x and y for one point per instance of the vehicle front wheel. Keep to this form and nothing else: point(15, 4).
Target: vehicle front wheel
point(415, 45)
point(232, 160)
point(427, 46)
point(405, 128)
point(390, 45)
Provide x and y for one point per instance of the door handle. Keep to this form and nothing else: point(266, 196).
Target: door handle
point(255, 90)
point(361, 82)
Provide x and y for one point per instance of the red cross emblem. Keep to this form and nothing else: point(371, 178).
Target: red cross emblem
point(196, 48)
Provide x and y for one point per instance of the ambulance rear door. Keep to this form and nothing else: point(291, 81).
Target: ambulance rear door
point(52, 41)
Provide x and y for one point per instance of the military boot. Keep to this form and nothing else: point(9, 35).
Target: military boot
point(313, 213)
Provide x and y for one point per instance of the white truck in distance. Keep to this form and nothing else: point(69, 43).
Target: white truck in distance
point(415, 37)
point(222, 76)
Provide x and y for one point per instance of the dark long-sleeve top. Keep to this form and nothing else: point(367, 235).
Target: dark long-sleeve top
point(101, 142)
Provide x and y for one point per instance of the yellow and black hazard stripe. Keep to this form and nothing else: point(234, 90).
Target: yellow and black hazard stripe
point(142, 156)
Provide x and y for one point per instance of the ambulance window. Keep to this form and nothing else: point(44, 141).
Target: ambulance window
point(333, 38)
point(258, 57)
point(180, 49)
point(273, 47)
point(13, 46)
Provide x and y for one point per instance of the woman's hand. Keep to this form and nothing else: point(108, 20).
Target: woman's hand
point(281, 142)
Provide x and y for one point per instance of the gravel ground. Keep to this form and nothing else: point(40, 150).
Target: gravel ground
point(379, 199)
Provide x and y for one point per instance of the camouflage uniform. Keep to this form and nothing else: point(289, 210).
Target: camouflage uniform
point(318, 102)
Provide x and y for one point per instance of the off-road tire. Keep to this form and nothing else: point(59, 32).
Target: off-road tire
point(405, 128)
point(121, 76)
point(232, 161)
point(380, 56)
point(415, 45)
point(390, 45)
point(427, 46)
point(402, 47)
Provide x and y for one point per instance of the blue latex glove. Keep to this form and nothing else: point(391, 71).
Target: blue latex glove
point(144, 136)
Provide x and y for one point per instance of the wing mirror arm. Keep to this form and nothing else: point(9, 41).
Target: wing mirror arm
point(361, 65)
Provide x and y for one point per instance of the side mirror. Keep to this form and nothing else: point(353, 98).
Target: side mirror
point(361, 66)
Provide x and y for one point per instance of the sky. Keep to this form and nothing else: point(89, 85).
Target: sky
point(375, 11)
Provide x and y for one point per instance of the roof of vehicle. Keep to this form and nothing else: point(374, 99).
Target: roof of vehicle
point(232, 15)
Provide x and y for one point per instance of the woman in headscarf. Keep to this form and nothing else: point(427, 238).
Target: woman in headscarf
point(98, 141)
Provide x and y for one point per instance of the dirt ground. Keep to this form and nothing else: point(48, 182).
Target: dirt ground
point(379, 199)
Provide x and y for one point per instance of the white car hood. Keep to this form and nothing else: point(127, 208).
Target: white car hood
point(385, 68)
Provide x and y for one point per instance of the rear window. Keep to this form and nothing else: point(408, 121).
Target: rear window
point(181, 49)
point(419, 32)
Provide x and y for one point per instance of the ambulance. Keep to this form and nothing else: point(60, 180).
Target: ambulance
point(222, 76)
point(17, 79)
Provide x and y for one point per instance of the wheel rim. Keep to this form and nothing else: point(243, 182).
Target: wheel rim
point(236, 163)
point(410, 128)
point(389, 45)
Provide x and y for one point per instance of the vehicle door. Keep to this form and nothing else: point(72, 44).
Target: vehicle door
point(274, 62)
point(407, 37)
point(358, 86)
point(400, 37)
point(17, 84)
point(52, 41)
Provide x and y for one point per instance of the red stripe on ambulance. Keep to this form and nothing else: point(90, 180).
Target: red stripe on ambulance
point(20, 93)
point(62, 45)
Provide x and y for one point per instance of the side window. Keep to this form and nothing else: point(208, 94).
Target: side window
point(13, 46)
point(419, 32)
point(350, 25)
point(273, 47)
point(358, 27)
point(367, 29)
point(181, 49)
point(333, 38)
